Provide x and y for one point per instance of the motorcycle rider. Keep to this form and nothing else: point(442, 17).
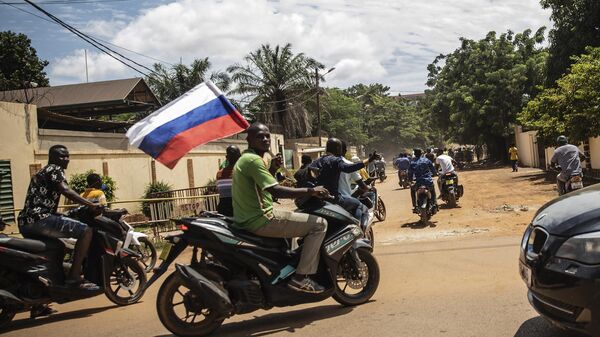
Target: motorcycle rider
point(302, 176)
point(39, 217)
point(422, 170)
point(569, 158)
point(224, 181)
point(253, 190)
point(345, 198)
point(402, 164)
point(446, 165)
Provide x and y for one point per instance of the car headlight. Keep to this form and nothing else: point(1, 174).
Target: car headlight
point(583, 248)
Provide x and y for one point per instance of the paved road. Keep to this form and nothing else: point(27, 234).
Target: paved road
point(460, 286)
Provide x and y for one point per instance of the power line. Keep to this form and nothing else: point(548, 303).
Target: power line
point(92, 41)
point(64, 2)
point(95, 37)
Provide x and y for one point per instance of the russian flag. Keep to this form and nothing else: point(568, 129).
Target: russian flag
point(195, 118)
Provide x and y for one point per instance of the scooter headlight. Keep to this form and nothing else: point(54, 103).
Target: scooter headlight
point(583, 248)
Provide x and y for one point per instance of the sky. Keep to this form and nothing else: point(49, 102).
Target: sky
point(367, 41)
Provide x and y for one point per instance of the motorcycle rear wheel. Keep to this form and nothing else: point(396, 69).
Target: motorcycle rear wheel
point(127, 275)
point(148, 252)
point(6, 314)
point(380, 212)
point(451, 200)
point(424, 217)
point(369, 282)
point(174, 295)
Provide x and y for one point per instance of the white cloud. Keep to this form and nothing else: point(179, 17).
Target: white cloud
point(71, 68)
point(367, 41)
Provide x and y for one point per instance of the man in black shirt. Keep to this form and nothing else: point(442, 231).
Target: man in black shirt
point(39, 216)
point(303, 176)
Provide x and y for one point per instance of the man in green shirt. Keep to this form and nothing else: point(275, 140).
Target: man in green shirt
point(253, 190)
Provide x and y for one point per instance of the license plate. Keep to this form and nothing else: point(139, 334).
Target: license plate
point(577, 185)
point(525, 272)
point(449, 182)
point(165, 252)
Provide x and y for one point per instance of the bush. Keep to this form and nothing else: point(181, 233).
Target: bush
point(78, 182)
point(151, 188)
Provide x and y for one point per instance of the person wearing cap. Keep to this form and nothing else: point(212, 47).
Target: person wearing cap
point(569, 158)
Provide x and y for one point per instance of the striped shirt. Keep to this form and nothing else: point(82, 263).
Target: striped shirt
point(224, 182)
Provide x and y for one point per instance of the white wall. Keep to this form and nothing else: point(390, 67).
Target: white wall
point(527, 145)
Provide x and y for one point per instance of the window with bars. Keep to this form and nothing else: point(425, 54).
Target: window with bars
point(6, 191)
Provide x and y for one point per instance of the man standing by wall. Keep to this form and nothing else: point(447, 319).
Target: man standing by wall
point(513, 154)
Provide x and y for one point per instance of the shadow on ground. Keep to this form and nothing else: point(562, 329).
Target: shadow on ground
point(539, 327)
point(419, 225)
point(537, 178)
point(29, 323)
point(289, 321)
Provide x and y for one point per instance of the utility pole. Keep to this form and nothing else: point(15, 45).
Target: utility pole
point(318, 107)
point(87, 79)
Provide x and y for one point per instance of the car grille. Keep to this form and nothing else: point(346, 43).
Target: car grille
point(556, 309)
point(537, 240)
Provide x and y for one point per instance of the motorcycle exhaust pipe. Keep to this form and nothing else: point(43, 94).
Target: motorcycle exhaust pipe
point(214, 296)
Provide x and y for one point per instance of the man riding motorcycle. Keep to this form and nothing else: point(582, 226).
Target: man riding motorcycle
point(402, 163)
point(421, 169)
point(446, 165)
point(569, 158)
point(355, 207)
point(39, 216)
point(253, 191)
point(330, 167)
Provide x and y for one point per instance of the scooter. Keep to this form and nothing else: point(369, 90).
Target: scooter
point(235, 272)
point(32, 272)
point(136, 241)
point(573, 184)
point(403, 180)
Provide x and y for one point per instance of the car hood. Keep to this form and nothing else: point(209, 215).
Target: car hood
point(571, 214)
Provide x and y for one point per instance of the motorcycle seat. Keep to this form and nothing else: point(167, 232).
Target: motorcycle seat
point(259, 240)
point(28, 245)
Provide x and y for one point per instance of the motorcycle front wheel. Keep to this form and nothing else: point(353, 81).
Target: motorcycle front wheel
point(182, 311)
point(380, 212)
point(6, 314)
point(126, 283)
point(356, 282)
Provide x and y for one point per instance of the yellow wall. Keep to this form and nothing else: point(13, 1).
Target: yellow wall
point(595, 152)
point(129, 167)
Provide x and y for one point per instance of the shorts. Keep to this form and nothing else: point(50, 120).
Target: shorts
point(54, 226)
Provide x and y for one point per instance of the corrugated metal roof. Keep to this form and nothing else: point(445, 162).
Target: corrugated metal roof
point(73, 94)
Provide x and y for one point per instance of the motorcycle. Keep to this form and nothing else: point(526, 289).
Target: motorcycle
point(450, 190)
point(376, 208)
point(238, 272)
point(426, 208)
point(403, 180)
point(136, 241)
point(32, 272)
point(573, 184)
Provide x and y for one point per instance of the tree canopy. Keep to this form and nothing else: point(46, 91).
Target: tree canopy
point(478, 89)
point(19, 63)
point(170, 83)
point(576, 26)
point(572, 107)
point(277, 84)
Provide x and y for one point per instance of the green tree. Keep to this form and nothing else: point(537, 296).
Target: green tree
point(170, 83)
point(342, 117)
point(572, 107)
point(277, 83)
point(482, 85)
point(19, 62)
point(576, 26)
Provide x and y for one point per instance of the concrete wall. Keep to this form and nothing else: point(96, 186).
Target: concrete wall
point(527, 146)
point(23, 144)
point(595, 152)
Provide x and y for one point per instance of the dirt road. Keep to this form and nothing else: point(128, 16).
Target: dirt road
point(455, 278)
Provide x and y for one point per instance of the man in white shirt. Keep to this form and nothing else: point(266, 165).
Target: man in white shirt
point(445, 163)
point(346, 200)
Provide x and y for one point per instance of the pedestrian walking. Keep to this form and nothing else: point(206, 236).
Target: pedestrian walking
point(513, 153)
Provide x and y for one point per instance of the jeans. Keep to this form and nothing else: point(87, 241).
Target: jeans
point(515, 165)
point(286, 224)
point(355, 207)
point(54, 226)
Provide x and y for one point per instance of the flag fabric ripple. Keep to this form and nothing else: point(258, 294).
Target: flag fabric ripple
point(197, 117)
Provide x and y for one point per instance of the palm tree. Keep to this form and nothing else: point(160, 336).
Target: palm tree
point(276, 83)
point(168, 84)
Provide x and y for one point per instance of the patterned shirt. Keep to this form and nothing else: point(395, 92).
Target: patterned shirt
point(422, 169)
point(43, 194)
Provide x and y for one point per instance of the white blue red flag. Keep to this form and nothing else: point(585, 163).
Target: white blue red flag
point(195, 118)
